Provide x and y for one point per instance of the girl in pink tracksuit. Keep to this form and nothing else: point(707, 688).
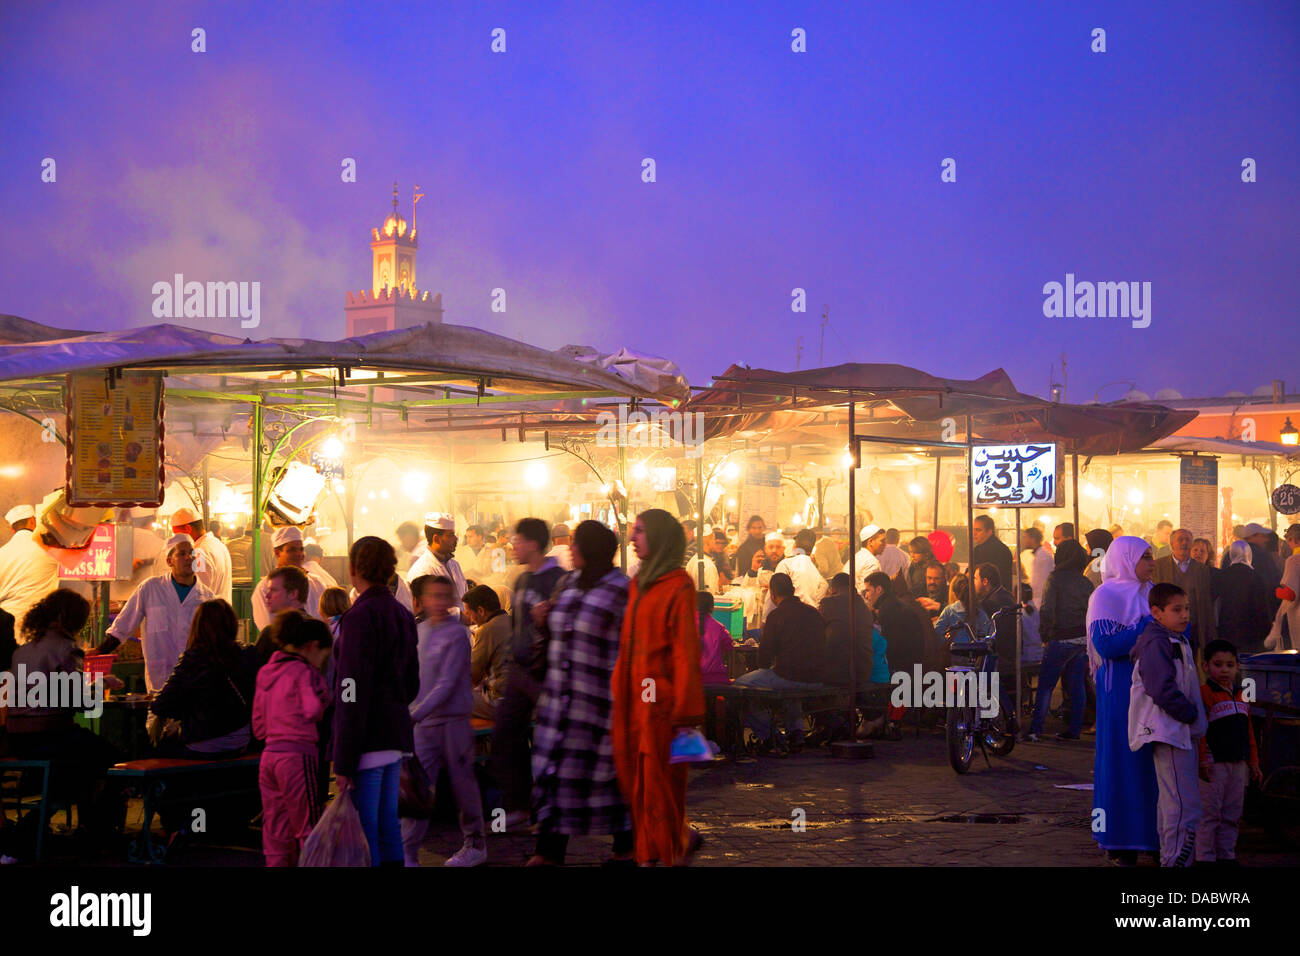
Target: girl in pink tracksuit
point(291, 698)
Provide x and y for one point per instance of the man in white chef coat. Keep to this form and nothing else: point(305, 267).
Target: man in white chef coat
point(289, 552)
point(165, 605)
point(440, 533)
point(868, 557)
point(211, 556)
point(28, 571)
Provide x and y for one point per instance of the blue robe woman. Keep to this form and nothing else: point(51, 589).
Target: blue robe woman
point(1124, 782)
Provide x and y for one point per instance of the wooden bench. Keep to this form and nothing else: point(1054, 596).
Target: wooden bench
point(150, 777)
point(725, 723)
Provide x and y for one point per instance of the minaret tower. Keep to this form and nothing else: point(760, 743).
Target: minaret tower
point(393, 300)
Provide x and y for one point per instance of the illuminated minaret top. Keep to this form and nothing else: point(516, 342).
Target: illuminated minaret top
point(393, 300)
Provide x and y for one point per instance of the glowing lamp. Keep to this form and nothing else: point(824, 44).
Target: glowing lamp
point(1289, 434)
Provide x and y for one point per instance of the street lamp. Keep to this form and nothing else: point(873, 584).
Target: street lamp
point(1289, 434)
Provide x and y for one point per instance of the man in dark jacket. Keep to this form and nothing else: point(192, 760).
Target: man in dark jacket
point(1063, 628)
point(1244, 618)
point(791, 656)
point(1180, 568)
point(524, 671)
point(834, 610)
point(990, 592)
point(989, 550)
point(899, 624)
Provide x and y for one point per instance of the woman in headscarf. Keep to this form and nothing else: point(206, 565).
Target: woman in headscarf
point(1124, 782)
point(657, 691)
point(576, 786)
point(1244, 617)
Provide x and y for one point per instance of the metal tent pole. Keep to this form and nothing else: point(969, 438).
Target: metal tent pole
point(853, 568)
point(1074, 468)
point(859, 749)
point(255, 552)
point(1018, 634)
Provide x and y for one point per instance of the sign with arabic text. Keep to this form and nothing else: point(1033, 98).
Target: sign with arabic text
point(1016, 476)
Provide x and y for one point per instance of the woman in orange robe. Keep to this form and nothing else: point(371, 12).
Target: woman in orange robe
point(657, 690)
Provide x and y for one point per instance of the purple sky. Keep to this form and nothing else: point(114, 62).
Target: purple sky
point(776, 170)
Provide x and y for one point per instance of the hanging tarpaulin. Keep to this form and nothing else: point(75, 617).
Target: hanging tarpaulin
point(1198, 495)
point(115, 440)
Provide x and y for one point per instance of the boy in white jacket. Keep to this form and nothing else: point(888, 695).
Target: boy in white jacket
point(1165, 711)
point(440, 712)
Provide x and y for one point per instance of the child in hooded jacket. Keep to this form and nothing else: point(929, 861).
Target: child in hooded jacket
point(290, 700)
point(1166, 712)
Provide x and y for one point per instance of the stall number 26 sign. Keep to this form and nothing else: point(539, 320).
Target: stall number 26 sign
point(1015, 476)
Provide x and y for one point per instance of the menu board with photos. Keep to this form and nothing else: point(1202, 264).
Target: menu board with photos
point(115, 440)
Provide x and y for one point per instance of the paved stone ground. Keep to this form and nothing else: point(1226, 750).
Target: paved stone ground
point(885, 811)
point(904, 807)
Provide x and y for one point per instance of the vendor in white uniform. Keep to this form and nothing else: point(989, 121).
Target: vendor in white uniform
point(440, 532)
point(165, 604)
point(868, 557)
point(28, 571)
point(314, 552)
point(289, 552)
point(211, 556)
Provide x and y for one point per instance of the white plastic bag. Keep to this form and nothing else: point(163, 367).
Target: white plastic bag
point(337, 839)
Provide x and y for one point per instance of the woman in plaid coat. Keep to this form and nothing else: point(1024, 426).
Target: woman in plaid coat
point(576, 788)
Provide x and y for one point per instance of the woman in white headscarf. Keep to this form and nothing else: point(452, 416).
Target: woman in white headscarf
point(1124, 782)
point(1243, 601)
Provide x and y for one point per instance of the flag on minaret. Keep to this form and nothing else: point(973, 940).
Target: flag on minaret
point(418, 196)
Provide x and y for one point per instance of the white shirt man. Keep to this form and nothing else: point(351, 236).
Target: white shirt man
point(710, 580)
point(868, 556)
point(560, 539)
point(440, 532)
point(288, 549)
point(1036, 562)
point(411, 546)
point(165, 604)
point(893, 558)
point(28, 571)
point(211, 556)
point(475, 555)
point(809, 585)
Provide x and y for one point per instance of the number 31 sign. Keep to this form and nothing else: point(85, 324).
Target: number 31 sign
point(1016, 476)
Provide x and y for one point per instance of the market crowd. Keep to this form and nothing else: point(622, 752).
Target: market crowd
point(593, 681)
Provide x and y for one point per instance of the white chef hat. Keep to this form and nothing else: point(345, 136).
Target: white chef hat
point(174, 541)
point(19, 513)
point(439, 521)
point(286, 534)
point(774, 536)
